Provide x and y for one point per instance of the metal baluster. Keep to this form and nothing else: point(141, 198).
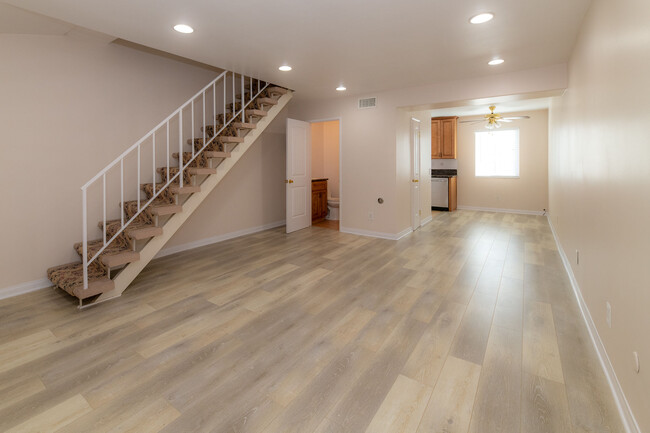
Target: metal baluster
point(137, 189)
point(84, 228)
point(192, 128)
point(180, 148)
point(122, 192)
point(214, 108)
point(204, 119)
point(153, 164)
point(243, 99)
point(167, 180)
point(104, 208)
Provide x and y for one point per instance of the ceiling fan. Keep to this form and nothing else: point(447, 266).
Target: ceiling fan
point(494, 120)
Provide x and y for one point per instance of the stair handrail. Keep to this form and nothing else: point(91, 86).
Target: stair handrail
point(261, 86)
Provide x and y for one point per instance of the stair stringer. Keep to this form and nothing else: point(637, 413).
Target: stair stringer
point(132, 270)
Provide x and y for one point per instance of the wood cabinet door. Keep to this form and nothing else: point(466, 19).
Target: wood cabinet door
point(436, 148)
point(448, 146)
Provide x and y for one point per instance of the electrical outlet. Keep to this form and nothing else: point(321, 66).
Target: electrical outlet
point(637, 364)
point(577, 257)
point(608, 314)
point(371, 216)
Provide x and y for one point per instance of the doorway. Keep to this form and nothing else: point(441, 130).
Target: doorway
point(326, 173)
point(415, 174)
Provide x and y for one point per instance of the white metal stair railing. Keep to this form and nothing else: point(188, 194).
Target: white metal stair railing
point(222, 91)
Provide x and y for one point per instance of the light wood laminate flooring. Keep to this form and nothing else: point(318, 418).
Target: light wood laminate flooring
point(467, 325)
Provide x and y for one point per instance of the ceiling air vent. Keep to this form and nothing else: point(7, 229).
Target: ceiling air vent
point(367, 103)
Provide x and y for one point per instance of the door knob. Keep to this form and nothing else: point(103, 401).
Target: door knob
point(288, 181)
point(415, 180)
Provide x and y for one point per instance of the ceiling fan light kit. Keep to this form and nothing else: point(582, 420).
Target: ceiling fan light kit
point(494, 120)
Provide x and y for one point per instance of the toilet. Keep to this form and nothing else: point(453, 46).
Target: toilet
point(332, 208)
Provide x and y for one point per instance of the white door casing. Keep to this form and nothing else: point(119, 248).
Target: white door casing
point(298, 179)
point(415, 174)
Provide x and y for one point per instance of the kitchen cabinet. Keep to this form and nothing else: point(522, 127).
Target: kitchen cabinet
point(318, 199)
point(443, 137)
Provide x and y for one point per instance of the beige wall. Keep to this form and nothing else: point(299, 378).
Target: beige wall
point(325, 154)
point(318, 149)
point(529, 192)
point(70, 105)
point(251, 195)
point(599, 183)
point(331, 156)
point(374, 141)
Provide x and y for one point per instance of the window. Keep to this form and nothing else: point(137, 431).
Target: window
point(497, 153)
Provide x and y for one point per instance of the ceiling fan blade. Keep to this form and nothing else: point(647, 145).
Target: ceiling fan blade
point(471, 121)
point(505, 119)
point(516, 118)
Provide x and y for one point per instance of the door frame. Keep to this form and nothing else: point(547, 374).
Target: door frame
point(340, 120)
point(415, 191)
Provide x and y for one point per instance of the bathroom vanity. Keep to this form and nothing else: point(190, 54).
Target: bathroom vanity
point(318, 199)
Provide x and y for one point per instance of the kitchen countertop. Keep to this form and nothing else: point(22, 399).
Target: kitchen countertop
point(443, 173)
point(319, 178)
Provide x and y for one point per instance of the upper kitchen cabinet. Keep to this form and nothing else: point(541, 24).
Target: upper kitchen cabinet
point(443, 137)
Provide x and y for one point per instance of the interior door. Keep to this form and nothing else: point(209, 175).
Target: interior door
point(415, 174)
point(298, 180)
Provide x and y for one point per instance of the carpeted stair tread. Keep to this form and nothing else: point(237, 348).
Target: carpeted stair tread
point(69, 278)
point(119, 244)
point(137, 230)
point(121, 258)
point(276, 90)
point(168, 209)
point(267, 101)
point(240, 125)
point(186, 189)
point(216, 154)
point(230, 139)
point(201, 170)
point(256, 113)
point(173, 171)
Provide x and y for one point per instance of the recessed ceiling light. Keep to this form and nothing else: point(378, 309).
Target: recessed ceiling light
point(495, 62)
point(341, 88)
point(285, 68)
point(481, 18)
point(183, 28)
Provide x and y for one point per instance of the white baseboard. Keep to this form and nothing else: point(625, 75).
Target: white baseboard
point(492, 209)
point(629, 422)
point(427, 220)
point(216, 239)
point(22, 288)
point(390, 236)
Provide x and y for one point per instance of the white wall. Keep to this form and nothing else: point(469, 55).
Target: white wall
point(375, 141)
point(599, 180)
point(70, 105)
point(528, 192)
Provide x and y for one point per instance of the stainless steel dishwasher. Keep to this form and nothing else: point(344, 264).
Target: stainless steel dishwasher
point(440, 192)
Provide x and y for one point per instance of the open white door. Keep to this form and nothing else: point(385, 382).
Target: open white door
point(298, 180)
point(415, 174)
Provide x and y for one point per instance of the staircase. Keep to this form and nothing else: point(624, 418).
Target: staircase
point(161, 180)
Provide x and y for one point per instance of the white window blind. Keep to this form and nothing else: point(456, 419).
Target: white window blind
point(497, 153)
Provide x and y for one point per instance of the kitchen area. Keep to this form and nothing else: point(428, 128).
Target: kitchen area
point(444, 165)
